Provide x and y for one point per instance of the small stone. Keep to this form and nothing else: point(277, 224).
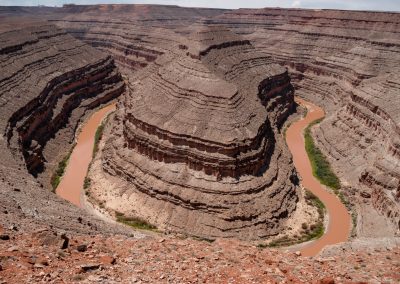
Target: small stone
point(43, 261)
point(298, 253)
point(82, 248)
point(161, 240)
point(108, 260)
point(89, 266)
point(327, 280)
point(13, 228)
point(38, 265)
point(32, 260)
point(13, 248)
point(65, 242)
point(365, 194)
point(4, 237)
point(327, 259)
point(17, 189)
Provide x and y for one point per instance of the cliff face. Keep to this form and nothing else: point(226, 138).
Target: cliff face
point(197, 141)
point(347, 62)
point(48, 81)
point(135, 35)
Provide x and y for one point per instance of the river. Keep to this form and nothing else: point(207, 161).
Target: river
point(339, 219)
point(71, 185)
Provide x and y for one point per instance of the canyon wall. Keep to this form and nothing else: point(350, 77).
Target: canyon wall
point(348, 62)
point(48, 82)
point(134, 34)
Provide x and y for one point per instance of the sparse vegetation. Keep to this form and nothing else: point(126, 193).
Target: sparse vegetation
point(309, 232)
point(202, 239)
point(99, 135)
point(86, 183)
point(97, 138)
point(135, 222)
point(57, 175)
point(320, 165)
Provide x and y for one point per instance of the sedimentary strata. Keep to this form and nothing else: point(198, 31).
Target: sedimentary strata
point(135, 35)
point(48, 81)
point(197, 141)
point(347, 62)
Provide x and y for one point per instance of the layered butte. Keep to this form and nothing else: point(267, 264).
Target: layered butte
point(196, 141)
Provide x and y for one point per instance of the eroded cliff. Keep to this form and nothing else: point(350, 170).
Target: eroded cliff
point(48, 82)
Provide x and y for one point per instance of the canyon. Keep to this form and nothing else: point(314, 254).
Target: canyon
point(196, 146)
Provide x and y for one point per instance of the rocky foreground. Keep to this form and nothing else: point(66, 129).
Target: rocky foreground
point(44, 256)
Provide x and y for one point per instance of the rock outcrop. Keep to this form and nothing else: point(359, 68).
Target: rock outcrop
point(197, 141)
point(347, 62)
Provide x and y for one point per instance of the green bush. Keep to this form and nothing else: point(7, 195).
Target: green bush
point(57, 175)
point(86, 183)
point(135, 222)
point(97, 138)
point(320, 165)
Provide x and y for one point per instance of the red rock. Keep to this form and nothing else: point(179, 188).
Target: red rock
point(327, 280)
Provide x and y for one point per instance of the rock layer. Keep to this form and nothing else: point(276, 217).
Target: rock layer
point(347, 62)
point(48, 81)
point(197, 141)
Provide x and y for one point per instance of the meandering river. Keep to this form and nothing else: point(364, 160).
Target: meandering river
point(71, 185)
point(339, 219)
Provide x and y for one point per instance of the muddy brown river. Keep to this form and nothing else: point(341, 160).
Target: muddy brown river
point(339, 219)
point(71, 185)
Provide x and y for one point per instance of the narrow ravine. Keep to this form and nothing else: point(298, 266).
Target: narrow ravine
point(339, 219)
point(71, 185)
